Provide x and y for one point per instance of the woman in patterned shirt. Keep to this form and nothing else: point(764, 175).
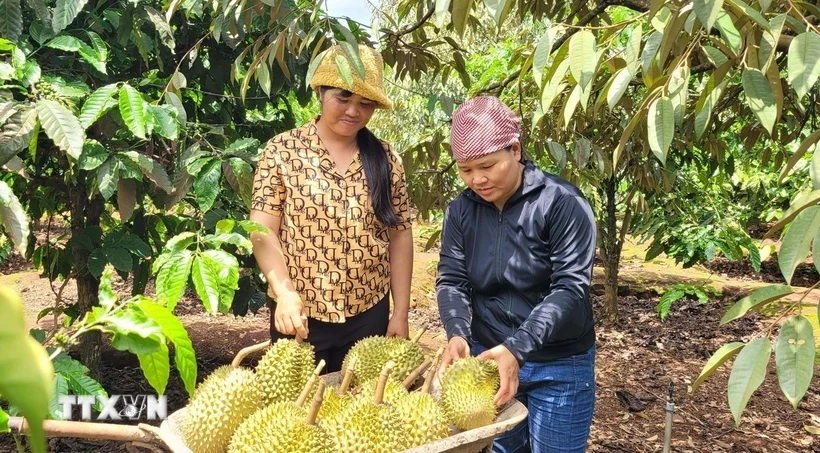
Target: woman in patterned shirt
point(334, 199)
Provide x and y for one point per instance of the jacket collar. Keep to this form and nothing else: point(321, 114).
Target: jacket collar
point(533, 180)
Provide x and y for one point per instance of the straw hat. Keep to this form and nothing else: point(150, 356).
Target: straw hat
point(327, 74)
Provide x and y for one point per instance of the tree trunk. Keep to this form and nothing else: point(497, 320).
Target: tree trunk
point(85, 213)
point(610, 252)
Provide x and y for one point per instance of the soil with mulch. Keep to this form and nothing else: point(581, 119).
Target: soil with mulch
point(805, 275)
point(637, 359)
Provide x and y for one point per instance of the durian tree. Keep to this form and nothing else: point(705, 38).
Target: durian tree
point(121, 130)
point(619, 93)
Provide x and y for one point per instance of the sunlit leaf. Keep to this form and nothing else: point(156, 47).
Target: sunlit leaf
point(661, 123)
point(582, 57)
point(794, 356)
point(61, 126)
point(720, 357)
point(748, 373)
point(758, 298)
point(804, 62)
point(797, 240)
point(707, 11)
point(760, 98)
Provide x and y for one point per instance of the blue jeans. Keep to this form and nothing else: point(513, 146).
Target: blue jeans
point(560, 398)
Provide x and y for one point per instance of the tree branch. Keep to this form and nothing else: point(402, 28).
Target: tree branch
point(417, 25)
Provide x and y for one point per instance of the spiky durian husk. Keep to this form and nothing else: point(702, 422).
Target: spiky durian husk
point(365, 427)
point(332, 404)
point(423, 418)
point(393, 390)
point(280, 428)
point(467, 392)
point(372, 353)
point(284, 370)
point(219, 404)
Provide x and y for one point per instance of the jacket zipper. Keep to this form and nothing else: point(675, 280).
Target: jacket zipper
point(498, 276)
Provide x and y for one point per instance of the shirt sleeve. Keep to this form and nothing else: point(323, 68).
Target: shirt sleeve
point(268, 185)
point(571, 225)
point(401, 205)
point(453, 288)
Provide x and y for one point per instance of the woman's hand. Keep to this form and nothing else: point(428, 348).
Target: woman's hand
point(457, 348)
point(507, 369)
point(288, 318)
point(398, 326)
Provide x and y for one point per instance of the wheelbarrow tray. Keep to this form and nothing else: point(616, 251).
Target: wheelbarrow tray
point(510, 415)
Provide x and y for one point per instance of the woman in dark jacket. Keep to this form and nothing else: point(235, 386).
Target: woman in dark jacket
point(513, 280)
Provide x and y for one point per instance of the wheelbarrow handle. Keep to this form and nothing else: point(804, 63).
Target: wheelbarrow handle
point(103, 431)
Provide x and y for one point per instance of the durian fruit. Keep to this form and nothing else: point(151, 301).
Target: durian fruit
point(284, 370)
point(284, 427)
point(423, 418)
point(393, 390)
point(373, 353)
point(467, 391)
point(367, 425)
point(336, 399)
point(220, 403)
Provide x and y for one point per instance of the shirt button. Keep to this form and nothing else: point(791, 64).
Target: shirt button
point(341, 184)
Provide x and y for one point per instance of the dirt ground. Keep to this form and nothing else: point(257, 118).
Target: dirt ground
point(640, 356)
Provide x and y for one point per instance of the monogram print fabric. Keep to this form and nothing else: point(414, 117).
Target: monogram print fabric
point(336, 250)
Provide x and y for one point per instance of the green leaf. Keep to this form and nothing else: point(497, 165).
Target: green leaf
point(156, 368)
point(442, 6)
point(133, 109)
point(107, 295)
point(720, 356)
point(344, 70)
point(13, 219)
point(134, 343)
point(816, 254)
point(619, 85)
point(729, 33)
point(804, 62)
point(666, 301)
point(163, 28)
point(498, 9)
point(228, 276)
point(460, 14)
point(174, 245)
point(542, 54)
point(173, 100)
point(313, 65)
point(4, 421)
point(93, 155)
point(632, 51)
point(173, 277)
point(65, 43)
point(205, 275)
point(206, 186)
point(802, 201)
point(715, 56)
point(165, 123)
point(650, 49)
point(751, 12)
point(174, 330)
point(707, 101)
point(707, 11)
point(243, 172)
point(26, 380)
point(108, 175)
point(558, 153)
point(11, 19)
point(61, 126)
point(759, 297)
point(133, 321)
point(794, 356)
point(58, 389)
point(797, 240)
point(65, 13)
point(760, 98)
point(661, 122)
point(76, 376)
point(126, 198)
point(582, 57)
point(748, 373)
point(253, 227)
point(95, 106)
point(351, 51)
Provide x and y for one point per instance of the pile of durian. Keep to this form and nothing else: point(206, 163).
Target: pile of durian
point(240, 410)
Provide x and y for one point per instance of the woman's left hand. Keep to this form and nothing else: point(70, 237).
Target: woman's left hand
point(507, 369)
point(398, 327)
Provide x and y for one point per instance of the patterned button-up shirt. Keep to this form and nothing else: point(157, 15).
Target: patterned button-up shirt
point(335, 248)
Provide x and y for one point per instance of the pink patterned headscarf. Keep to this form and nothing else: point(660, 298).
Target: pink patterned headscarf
point(481, 126)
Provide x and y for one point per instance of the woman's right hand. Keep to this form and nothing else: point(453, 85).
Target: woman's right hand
point(457, 348)
point(288, 318)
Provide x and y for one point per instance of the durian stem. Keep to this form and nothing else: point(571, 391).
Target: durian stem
point(240, 356)
point(418, 335)
point(348, 377)
point(411, 378)
point(378, 397)
point(428, 380)
point(316, 404)
point(313, 378)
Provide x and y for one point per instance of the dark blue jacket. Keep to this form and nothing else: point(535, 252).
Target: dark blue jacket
point(521, 276)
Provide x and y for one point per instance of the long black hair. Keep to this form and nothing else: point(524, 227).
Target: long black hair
point(376, 169)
